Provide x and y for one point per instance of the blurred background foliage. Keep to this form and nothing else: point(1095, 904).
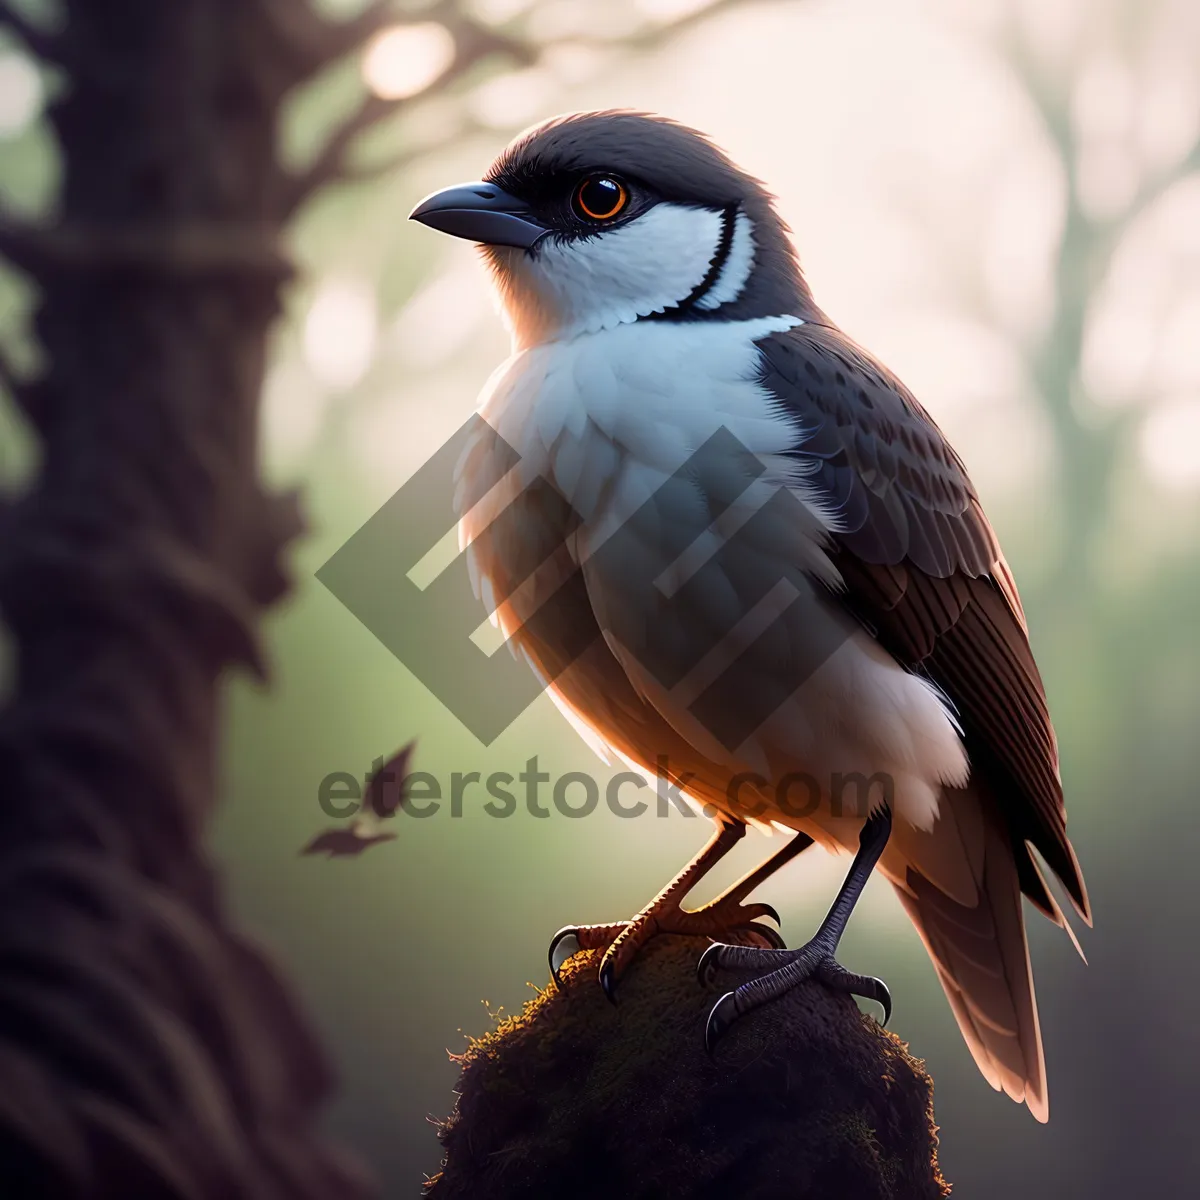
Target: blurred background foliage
point(1001, 198)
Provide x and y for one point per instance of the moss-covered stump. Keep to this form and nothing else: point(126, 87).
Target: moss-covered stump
point(806, 1098)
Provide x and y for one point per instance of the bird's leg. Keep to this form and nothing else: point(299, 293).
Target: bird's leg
point(813, 961)
point(726, 916)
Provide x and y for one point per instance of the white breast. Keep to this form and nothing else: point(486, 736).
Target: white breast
point(608, 418)
point(650, 393)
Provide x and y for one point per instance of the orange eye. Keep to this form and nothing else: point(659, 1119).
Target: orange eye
point(600, 198)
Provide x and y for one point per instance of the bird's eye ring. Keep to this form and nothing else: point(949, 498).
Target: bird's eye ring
point(600, 198)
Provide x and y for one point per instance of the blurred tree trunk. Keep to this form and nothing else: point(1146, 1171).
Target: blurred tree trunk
point(145, 1049)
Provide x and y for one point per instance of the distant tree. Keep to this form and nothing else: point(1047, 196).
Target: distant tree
point(1091, 441)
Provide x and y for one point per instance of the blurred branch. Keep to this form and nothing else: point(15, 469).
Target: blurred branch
point(1086, 446)
point(390, 164)
point(1049, 98)
point(1152, 190)
point(332, 162)
point(1088, 443)
point(180, 248)
point(655, 35)
point(311, 41)
point(473, 43)
point(1050, 95)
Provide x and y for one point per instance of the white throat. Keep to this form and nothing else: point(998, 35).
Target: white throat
point(567, 288)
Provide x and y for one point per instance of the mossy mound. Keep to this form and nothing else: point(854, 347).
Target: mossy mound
point(806, 1098)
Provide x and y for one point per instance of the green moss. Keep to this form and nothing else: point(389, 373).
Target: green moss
point(571, 1096)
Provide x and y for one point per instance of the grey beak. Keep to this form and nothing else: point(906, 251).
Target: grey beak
point(480, 212)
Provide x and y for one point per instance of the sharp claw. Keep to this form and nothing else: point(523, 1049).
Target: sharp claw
point(707, 967)
point(769, 911)
point(608, 981)
point(884, 997)
point(870, 988)
point(563, 945)
point(722, 1016)
point(834, 975)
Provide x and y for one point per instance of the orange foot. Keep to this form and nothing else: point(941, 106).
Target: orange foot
point(726, 918)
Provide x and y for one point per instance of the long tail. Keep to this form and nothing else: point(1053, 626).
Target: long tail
point(978, 948)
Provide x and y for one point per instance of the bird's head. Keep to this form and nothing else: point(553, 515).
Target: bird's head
point(599, 219)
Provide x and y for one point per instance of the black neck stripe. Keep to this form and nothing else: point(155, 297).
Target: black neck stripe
point(706, 285)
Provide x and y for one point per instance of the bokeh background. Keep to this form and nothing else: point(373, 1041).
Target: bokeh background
point(1001, 198)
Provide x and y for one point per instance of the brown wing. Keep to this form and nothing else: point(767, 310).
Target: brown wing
point(924, 572)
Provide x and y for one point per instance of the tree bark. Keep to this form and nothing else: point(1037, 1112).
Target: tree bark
point(146, 1050)
point(805, 1098)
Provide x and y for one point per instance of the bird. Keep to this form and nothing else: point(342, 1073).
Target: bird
point(742, 556)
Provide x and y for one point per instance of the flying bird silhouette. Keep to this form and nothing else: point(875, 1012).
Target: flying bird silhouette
point(736, 544)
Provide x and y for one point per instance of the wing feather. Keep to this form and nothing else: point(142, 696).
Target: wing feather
point(923, 571)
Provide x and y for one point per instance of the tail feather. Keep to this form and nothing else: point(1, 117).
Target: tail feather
point(982, 962)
